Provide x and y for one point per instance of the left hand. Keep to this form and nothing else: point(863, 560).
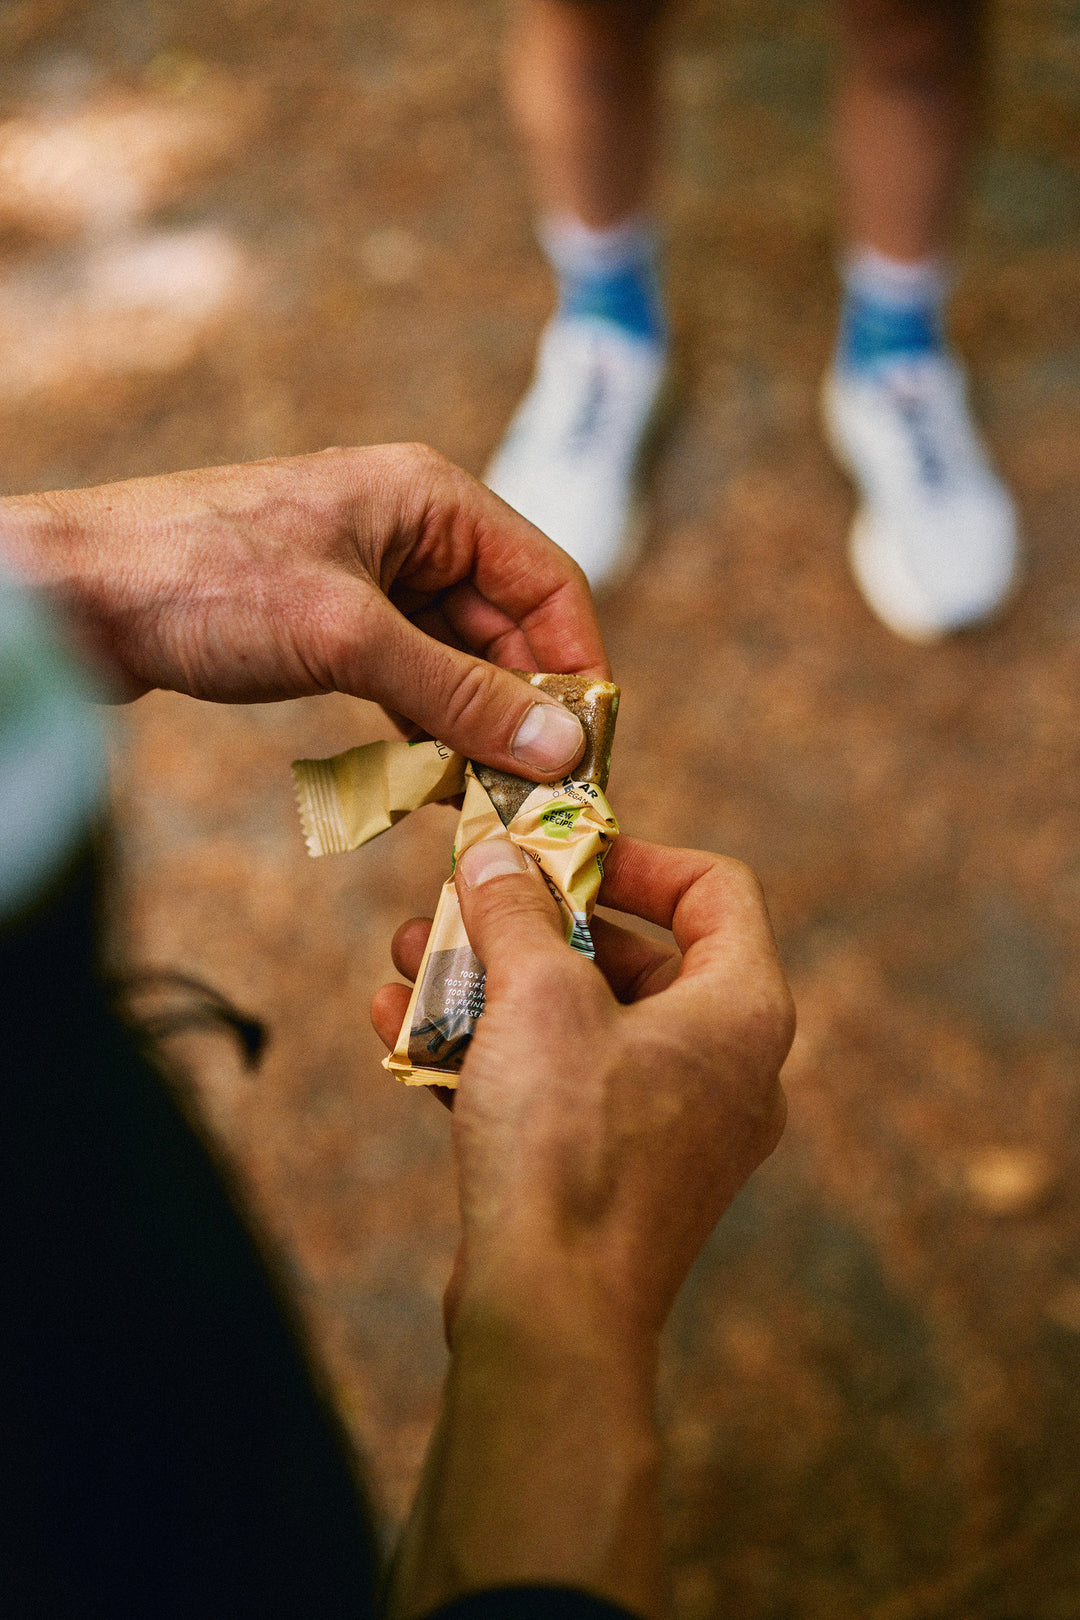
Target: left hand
point(383, 572)
point(606, 1115)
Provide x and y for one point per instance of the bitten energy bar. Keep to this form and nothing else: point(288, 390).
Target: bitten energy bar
point(596, 703)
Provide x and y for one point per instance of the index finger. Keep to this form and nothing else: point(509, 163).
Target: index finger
point(514, 577)
point(655, 883)
point(531, 579)
point(731, 977)
point(523, 581)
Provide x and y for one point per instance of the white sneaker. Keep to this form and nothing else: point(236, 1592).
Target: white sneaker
point(570, 457)
point(934, 546)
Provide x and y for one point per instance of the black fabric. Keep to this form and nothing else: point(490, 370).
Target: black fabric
point(162, 1449)
point(530, 1603)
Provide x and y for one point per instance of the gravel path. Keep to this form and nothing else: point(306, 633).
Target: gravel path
point(260, 228)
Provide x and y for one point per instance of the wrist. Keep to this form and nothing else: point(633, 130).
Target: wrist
point(541, 1306)
point(544, 1468)
point(57, 551)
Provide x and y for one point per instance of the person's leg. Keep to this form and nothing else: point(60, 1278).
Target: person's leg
point(581, 87)
point(905, 119)
point(934, 545)
point(582, 92)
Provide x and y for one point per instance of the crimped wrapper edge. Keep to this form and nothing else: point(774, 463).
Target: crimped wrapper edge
point(315, 786)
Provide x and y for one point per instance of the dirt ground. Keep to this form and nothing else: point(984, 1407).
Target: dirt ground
point(260, 228)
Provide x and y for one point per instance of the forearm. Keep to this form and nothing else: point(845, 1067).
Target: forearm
point(544, 1465)
point(42, 540)
point(197, 580)
point(54, 543)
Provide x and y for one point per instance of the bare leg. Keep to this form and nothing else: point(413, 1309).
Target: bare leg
point(906, 114)
point(581, 85)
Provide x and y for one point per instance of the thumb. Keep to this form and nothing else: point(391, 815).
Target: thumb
point(480, 710)
point(510, 917)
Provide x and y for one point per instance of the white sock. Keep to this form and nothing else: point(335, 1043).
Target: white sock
point(575, 250)
point(901, 283)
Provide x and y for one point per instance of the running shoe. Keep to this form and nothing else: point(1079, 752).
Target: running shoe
point(935, 545)
point(571, 458)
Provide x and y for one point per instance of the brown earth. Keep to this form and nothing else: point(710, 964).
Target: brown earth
point(260, 228)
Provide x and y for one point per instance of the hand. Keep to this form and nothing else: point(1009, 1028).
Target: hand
point(384, 572)
point(602, 1123)
point(606, 1119)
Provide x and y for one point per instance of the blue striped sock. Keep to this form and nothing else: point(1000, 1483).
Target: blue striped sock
point(609, 274)
point(629, 297)
point(890, 311)
point(873, 333)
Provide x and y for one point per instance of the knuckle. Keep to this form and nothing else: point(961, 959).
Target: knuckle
point(530, 974)
point(540, 973)
point(786, 1019)
point(769, 1025)
point(767, 1119)
point(408, 465)
point(741, 880)
point(422, 458)
point(727, 881)
point(472, 694)
point(581, 978)
point(777, 1120)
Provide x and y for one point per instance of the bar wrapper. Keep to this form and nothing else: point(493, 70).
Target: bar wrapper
point(565, 827)
point(348, 800)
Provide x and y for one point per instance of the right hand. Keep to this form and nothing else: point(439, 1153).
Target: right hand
point(604, 1120)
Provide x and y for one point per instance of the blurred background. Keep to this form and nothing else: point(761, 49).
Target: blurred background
point(259, 228)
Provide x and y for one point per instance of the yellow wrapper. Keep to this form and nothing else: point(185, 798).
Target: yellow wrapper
point(567, 829)
point(348, 800)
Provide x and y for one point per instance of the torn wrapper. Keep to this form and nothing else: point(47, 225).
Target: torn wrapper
point(348, 800)
point(565, 827)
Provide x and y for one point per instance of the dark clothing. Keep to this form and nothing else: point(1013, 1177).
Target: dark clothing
point(163, 1451)
point(531, 1603)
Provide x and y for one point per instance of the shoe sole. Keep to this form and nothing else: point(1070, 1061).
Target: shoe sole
point(883, 585)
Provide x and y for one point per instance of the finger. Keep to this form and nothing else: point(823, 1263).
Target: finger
point(473, 536)
point(430, 618)
point(509, 915)
point(482, 711)
point(545, 593)
point(731, 977)
point(388, 1008)
point(474, 622)
point(700, 896)
point(649, 880)
point(635, 967)
point(464, 619)
point(407, 945)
